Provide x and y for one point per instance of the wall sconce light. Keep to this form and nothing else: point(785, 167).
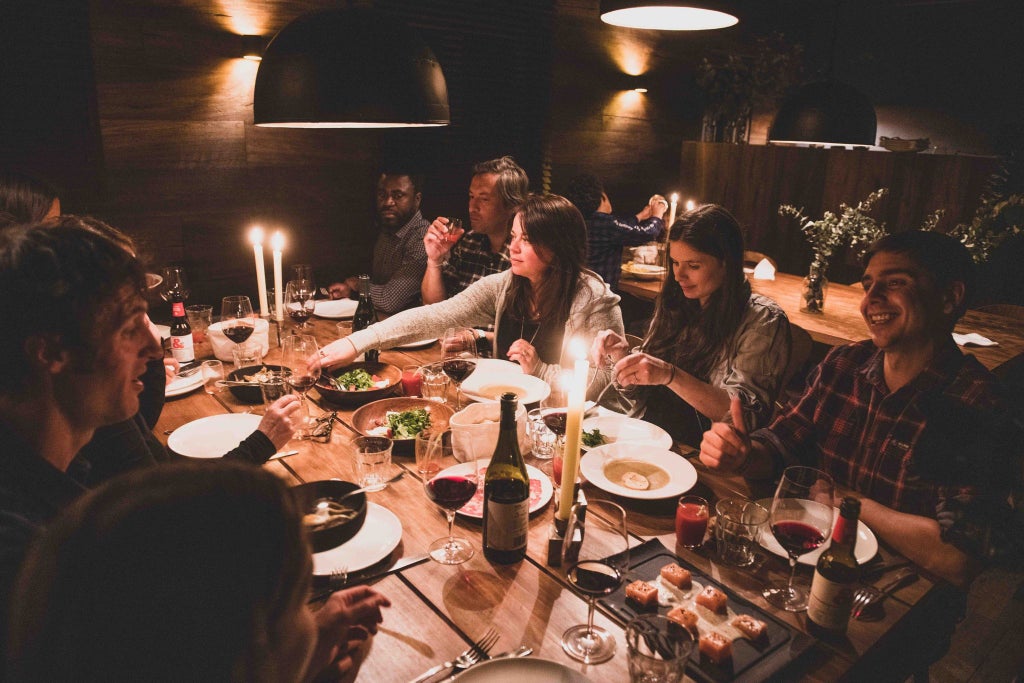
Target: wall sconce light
point(668, 15)
point(252, 48)
point(351, 67)
point(640, 90)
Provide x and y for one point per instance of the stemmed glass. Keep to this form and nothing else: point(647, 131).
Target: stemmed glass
point(450, 490)
point(304, 271)
point(459, 360)
point(175, 284)
point(300, 302)
point(801, 519)
point(301, 355)
point(554, 411)
point(594, 566)
point(237, 319)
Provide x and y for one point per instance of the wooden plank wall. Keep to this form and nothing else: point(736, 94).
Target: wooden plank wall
point(753, 180)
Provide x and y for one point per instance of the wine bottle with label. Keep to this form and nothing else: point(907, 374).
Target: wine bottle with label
point(365, 315)
point(181, 334)
point(836, 574)
point(506, 493)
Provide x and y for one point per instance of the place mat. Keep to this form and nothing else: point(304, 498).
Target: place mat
point(750, 661)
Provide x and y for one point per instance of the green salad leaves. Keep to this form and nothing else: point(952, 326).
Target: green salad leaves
point(354, 380)
point(408, 423)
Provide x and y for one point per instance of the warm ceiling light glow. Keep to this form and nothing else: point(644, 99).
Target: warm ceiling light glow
point(669, 18)
point(632, 56)
point(641, 90)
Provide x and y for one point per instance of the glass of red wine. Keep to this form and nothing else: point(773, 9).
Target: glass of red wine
point(450, 489)
point(459, 348)
point(554, 411)
point(237, 319)
point(595, 563)
point(301, 355)
point(300, 302)
point(801, 520)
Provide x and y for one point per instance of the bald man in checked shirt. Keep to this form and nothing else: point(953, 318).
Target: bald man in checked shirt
point(399, 258)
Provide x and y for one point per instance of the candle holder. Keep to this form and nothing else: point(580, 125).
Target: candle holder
point(556, 532)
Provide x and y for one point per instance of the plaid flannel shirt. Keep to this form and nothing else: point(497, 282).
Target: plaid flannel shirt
point(607, 234)
point(471, 259)
point(945, 446)
point(399, 261)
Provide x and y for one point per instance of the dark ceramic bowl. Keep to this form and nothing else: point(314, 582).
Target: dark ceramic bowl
point(249, 394)
point(325, 385)
point(323, 537)
point(373, 415)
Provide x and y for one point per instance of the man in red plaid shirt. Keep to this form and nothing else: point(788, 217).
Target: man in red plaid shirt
point(917, 430)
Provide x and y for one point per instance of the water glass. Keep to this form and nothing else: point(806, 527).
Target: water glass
point(213, 372)
point(199, 318)
point(247, 354)
point(738, 525)
point(434, 383)
point(657, 649)
point(373, 461)
point(274, 385)
point(344, 328)
point(432, 446)
point(543, 439)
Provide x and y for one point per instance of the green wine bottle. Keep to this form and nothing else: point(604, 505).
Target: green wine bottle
point(506, 493)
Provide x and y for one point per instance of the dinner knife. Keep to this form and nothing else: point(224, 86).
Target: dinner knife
point(403, 563)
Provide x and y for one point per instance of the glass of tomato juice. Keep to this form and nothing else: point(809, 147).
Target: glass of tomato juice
point(691, 521)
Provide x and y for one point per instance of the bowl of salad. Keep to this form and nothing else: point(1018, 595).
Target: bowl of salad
point(401, 419)
point(359, 383)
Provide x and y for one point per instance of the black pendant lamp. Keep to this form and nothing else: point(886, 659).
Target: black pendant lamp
point(349, 68)
point(668, 15)
point(826, 112)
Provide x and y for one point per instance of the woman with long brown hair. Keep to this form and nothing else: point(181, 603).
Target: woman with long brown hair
point(711, 338)
point(544, 300)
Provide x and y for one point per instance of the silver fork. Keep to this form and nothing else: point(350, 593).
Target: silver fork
point(466, 659)
point(867, 597)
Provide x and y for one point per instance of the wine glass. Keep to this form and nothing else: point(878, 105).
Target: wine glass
point(301, 355)
point(594, 566)
point(300, 302)
point(175, 284)
point(459, 360)
point(801, 519)
point(304, 271)
point(237, 319)
point(450, 489)
point(554, 411)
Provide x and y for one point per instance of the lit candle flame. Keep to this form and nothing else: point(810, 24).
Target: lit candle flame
point(277, 242)
point(690, 205)
point(256, 235)
point(675, 196)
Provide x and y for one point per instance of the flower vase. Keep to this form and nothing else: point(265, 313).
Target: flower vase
point(812, 296)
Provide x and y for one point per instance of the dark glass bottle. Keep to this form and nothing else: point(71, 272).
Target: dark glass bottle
point(835, 576)
point(506, 493)
point(365, 315)
point(181, 334)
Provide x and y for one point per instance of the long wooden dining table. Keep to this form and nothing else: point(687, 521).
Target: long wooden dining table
point(841, 323)
point(438, 610)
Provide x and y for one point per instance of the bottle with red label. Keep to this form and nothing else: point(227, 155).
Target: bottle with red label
point(181, 334)
point(836, 573)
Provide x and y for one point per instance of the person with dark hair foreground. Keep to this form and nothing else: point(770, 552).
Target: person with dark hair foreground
point(608, 233)
point(545, 299)
point(189, 572)
point(711, 338)
point(907, 423)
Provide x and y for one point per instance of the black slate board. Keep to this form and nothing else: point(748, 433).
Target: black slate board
point(750, 661)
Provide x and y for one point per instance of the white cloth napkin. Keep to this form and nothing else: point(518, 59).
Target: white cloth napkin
point(973, 339)
point(764, 270)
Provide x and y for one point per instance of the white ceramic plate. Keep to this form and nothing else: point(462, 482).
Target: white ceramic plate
point(682, 475)
point(380, 534)
point(335, 308)
point(418, 344)
point(183, 385)
point(541, 490)
point(644, 271)
point(622, 429)
point(521, 670)
point(866, 548)
point(497, 365)
point(485, 386)
point(212, 437)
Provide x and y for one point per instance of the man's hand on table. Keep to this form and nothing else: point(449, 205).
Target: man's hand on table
point(343, 623)
point(278, 422)
point(342, 290)
point(726, 447)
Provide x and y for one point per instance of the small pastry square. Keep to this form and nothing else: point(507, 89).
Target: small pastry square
point(643, 593)
point(685, 618)
point(677, 576)
point(749, 626)
point(712, 598)
point(715, 647)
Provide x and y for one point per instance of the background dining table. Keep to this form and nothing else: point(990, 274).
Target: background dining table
point(438, 610)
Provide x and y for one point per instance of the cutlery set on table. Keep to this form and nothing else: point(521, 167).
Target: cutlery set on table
point(475, 654)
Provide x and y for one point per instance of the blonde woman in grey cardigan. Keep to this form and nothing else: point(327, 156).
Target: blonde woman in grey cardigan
point(545, 299)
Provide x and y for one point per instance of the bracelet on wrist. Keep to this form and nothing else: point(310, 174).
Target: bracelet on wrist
point(671, 377)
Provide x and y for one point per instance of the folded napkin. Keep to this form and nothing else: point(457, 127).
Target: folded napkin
point(764, 270)
point(973, 339)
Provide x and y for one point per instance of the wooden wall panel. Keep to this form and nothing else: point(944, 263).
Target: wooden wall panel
point(753, 180)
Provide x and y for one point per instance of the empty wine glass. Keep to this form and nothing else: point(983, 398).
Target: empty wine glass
point(595, 565)
point(459, 348)
point(304, 271)
point(237, 319)
point(801, 519)
point(301, 355)
point(175, 284)
point(450, 489)
point(299, 302)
